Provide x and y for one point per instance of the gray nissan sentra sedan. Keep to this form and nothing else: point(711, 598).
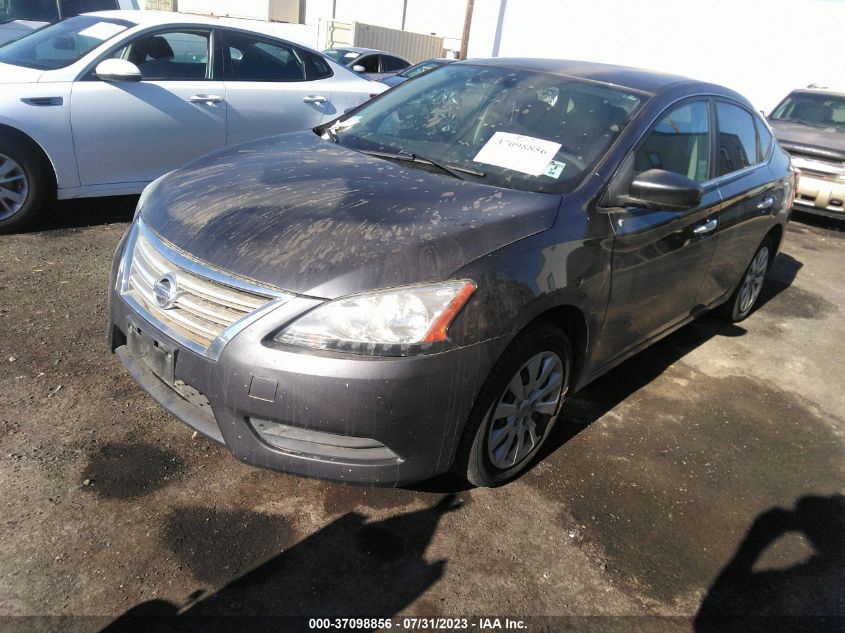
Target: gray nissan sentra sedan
point(419, 286)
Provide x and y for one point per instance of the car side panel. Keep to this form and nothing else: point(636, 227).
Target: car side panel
point(42, 112)
point(749, 201)
point(135, 132)
point(567, 265)
point(659, 261)
point(263, 108)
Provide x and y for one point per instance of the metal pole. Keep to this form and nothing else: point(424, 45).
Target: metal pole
point(467, 27)
point(404, 12)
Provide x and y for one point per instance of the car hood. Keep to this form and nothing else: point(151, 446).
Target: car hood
point(11, 74)
point(805, 137)
point(312, 217)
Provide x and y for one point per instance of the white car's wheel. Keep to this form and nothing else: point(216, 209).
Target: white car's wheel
point(25, 184)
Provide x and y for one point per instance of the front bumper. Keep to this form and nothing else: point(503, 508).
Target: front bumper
point(381, 421)
point(820, 196)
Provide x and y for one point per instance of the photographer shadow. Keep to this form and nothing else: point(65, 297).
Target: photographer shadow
point(809, 596)
point(352, 568)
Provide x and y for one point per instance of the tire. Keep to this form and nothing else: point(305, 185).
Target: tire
point(744, 298)
point(490, 453)
point(26, 184)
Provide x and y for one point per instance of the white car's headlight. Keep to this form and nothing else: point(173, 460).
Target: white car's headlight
point(397, 322)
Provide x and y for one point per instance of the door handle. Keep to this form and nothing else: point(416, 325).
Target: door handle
point(205, 99)
point(766, 204)
point(314, 99)
point(707, 227)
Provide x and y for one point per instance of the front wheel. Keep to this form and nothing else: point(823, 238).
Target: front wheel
point(744, 298)
point(25, 185)
point(516, 408)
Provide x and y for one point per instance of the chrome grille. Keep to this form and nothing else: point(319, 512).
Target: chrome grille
point(203, 308)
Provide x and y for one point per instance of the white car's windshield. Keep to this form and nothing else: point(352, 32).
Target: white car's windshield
point(525, 130)
point(33, 10)
point(341, 56)
point(61, 44)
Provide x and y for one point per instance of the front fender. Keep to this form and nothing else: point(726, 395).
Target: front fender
point(41, 112)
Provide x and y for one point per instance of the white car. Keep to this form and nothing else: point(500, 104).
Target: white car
point(103, 103)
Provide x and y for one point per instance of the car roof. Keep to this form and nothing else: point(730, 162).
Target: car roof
point(639, 79)
point(156, 18)
point(819, 91)
point(359, 49)
point(151, 18)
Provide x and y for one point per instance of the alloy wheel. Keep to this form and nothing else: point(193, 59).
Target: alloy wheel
point(753, 281)
point(14, 187)
point(520, 417)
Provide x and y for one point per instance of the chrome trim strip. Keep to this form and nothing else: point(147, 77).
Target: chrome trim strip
point(218, 344)
point(275, 297)
point(126, 263)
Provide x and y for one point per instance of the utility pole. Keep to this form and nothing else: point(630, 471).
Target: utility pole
point(467, 28)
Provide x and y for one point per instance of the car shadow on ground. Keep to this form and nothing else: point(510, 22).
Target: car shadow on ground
point(599, 397)
point(807, 596)
point(822, 222)
point(72, 214)
point(352, 568)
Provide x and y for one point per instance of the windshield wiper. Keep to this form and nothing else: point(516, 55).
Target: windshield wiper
point(409, 157)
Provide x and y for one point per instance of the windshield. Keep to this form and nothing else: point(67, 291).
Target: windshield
point(341, 56)
point(34, 10)
point(518, 129)
point(817, 110)
point(61, 44)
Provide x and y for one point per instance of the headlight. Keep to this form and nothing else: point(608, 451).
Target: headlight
point(398, 322)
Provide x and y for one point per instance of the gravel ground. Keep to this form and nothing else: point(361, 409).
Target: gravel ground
point(703, 477)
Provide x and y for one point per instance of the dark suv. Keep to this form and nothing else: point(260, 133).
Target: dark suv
point(810, 125)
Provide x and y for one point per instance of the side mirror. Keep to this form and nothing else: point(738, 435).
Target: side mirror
point(358, 68)
point(117, 70)
point(657, 188)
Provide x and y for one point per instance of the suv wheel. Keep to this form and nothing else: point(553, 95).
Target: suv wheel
point(517, 407)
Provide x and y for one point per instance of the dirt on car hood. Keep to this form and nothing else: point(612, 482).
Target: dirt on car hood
point(315, 218)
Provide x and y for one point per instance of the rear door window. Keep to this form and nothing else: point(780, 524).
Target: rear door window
point(257, 59)
point(316, 66)
point(680, 143)
point(765, 139)
point(737, 147)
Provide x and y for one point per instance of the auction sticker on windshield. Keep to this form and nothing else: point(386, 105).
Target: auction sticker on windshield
point(521, 153)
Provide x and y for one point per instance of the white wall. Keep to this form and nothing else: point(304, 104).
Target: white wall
point(762, 49)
